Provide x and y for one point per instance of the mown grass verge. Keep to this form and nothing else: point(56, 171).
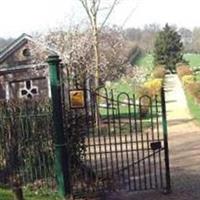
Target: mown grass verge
point(6, 194)
point(194, 107)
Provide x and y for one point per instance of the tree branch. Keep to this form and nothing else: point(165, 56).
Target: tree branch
point(115, 2)
point(98, 5)
point(86, 7)
point(130, 15)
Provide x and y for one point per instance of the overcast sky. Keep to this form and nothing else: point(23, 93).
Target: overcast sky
point(19, 16)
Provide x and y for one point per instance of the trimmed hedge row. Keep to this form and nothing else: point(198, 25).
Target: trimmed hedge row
point(190, 83)
point(192, 89)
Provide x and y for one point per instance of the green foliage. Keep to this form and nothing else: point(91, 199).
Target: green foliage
point(27, 155)
point(5, 194)
point(168, 48)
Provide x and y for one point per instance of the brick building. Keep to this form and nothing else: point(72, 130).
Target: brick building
point(23, 71)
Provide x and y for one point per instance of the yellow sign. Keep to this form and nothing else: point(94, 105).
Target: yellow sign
point(77, 99)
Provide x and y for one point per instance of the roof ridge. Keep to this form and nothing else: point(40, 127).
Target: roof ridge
point(23, 37)
point(14, 41)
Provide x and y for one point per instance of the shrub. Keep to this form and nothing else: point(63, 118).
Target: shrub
point(143, 91)
point(159, 72)
point(154, 86)
point(194, 89)
point(187, 79)
point(148, 91)
point(144, 100)
point(183, 70)
point(144, 105)
point(179, 64)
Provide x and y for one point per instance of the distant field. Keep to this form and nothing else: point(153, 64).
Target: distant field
point(193, 59)
point(146, 61)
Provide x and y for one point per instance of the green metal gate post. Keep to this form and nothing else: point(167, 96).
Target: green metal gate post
point(61, 154)
point(165, 132)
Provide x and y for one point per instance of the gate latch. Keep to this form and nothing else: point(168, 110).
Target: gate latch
point(156, 145)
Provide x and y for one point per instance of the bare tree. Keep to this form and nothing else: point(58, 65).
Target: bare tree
point(92, 8)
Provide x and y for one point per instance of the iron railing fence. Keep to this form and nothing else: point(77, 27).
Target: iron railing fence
point(26, 144)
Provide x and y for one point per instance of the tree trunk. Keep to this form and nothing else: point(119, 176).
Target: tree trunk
point(96, 51)
point(97, 60)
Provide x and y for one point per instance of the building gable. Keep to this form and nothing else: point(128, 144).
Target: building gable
point(24, 51)
point(23, 72)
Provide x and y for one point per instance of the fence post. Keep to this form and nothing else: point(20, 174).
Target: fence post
point(165, 132)
point(61, 154)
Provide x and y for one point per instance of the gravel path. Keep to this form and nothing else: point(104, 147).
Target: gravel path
point(184, 145)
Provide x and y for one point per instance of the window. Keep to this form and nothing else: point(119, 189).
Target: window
point(28, 91)
point(26, 52)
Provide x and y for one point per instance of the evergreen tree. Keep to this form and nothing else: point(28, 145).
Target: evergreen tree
point(168, 48)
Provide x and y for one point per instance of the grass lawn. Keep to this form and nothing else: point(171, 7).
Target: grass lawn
point(145, 61)
point(194, 62)
point(193, 107)
point(6, 194)
point(193, 59)
point(121, 86)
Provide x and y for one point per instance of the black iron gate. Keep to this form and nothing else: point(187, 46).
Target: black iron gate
point(116, 141)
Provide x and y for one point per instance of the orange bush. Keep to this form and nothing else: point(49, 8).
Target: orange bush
point(159, 72)
point(183, 70)
point(194, 89)
point(143, 91)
